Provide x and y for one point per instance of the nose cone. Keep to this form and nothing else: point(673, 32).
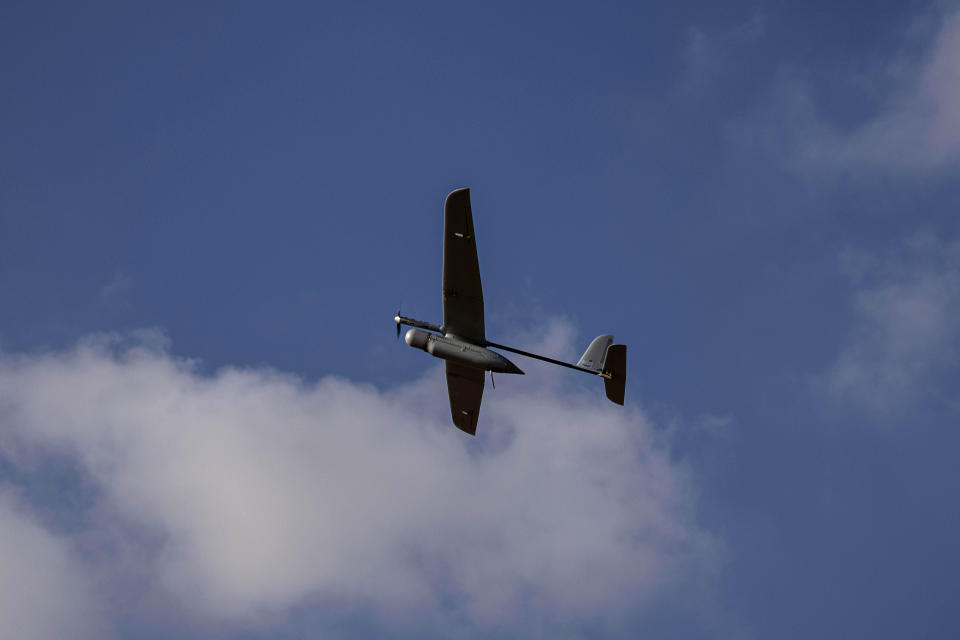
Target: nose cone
point(410, 337)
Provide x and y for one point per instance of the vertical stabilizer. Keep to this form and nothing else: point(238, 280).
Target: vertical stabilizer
point(615, 364)
point(596, 353)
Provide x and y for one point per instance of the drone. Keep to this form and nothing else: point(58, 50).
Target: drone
point(461, 340)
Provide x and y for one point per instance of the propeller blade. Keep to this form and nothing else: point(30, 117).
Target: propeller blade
point(397, 321)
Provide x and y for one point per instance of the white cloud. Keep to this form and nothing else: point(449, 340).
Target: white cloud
point(915, 129)
point(267, 492)
point(118, 286)
point(43, 591)
point(708, 54)
point(919, 127)
point(907, 330)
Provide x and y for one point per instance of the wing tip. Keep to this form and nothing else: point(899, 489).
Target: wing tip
point(458, 195)
point(466, 421)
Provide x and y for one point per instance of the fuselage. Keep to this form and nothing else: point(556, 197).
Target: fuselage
point(450, 347)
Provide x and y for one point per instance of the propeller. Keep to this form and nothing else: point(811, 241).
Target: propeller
point(397, 321)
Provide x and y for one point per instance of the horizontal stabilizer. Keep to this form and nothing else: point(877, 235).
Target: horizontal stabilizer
point(595, 354)
point(615, 364)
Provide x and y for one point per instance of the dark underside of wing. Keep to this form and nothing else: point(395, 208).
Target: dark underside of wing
point(462, 293)
point(465, 386)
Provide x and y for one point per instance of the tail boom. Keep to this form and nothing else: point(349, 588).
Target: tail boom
point(602, 358)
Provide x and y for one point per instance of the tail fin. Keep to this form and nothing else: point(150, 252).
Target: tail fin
point(609, 360)
point(594, 355)
point(615, 365)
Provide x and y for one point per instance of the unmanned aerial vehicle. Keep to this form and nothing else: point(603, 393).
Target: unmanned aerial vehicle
point(461, 340)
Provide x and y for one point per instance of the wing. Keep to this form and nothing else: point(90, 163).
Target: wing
point(465, 386)
point(462, 293)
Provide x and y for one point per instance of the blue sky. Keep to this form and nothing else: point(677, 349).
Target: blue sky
point(209, 214)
